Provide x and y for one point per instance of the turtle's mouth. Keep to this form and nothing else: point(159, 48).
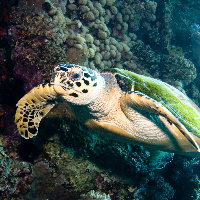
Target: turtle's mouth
point(61, 88)
point(65, 87)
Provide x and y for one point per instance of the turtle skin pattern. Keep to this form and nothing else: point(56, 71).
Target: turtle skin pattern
point(119, 105)
point(32, 108)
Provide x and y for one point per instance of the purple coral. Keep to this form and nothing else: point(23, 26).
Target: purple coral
point(28, 73)
point(25, 68)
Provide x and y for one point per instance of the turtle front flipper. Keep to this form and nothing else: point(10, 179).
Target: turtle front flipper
point(138, 100)
point(32, 107)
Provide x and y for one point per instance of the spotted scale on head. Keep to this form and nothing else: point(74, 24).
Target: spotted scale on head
point(76, 84)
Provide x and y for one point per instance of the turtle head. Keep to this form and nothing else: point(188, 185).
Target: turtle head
point(77, 84)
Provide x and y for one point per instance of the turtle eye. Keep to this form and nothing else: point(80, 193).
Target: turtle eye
point(75, 76)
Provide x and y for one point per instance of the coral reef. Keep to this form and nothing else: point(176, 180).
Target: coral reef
point(178, 68)
point(95, 195)
point(43, 4)
point(182, 15)
point(186, 169)
point(38, 23)
point(34, 52)
point(195, 40)
point(81, 169)
point(15, 176)
point(97, 35)
point(147, 37)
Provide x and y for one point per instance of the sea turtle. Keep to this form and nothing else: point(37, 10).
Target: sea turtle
point(118, 104)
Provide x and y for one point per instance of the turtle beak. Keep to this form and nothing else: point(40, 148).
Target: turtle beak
point(58, 86)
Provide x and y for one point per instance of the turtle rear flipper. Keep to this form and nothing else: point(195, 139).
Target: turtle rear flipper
point(32, 107)
point(138, 100)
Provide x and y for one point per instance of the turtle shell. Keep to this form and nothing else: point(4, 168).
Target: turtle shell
point(181, 106)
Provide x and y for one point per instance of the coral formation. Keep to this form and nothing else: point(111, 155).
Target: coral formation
point(132, 34)
point(16, 176)
point(178, 68)
point(98, 35)
point(43, 4)
point(195, 40)
point(95, 195)
point(38, 23)
point(83, 172)
point(186, 169)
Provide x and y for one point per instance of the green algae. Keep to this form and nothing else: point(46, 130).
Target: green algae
point(163, 94)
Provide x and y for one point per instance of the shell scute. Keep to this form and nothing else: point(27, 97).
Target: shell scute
point(175, 101)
